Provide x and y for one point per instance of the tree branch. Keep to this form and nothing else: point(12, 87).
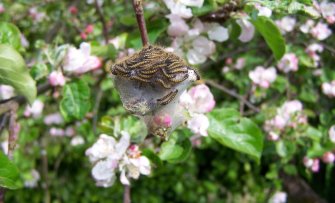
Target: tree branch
point(233, 94)
point(103, 21)
point(138, 8)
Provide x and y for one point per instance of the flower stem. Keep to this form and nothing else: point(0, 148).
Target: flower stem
point(126, 194)
point(138, 8)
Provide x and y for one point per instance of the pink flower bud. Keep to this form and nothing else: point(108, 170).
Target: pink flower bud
point(73, 10)
point(229, 61)
point(56, 78)
point(83, 35)
point(316, 166)
point(328, 157)
point(89, 29)
point(164, 120)
point(272, 136)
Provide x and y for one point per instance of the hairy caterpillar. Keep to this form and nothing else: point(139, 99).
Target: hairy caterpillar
point(156, 67)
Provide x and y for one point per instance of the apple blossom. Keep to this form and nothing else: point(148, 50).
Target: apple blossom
point(218, 33)
point(247, 30)
point(35, 110)
point(177, 27)
point(263, 11)
point(240, 63)
point(6, 92)
point(197, 28)
point(306, 28)
point(195, 3)
point(55, 118)
point(313, 50)
point(288, 63)
point(194, 57)
point(104, 146)
point(77, 140)
point(69, 131)
point(331, 133)
point(56, 132)
point(36, 15)
point(178, 8)
point(110, 155)
point(321, 31)
point(288, 115)
point(198, 124)
point(133, 167)
point(286, 24)
point(56, 78)
point(203, 46)
point(200, 100)
point(278, 197)
point(328, 88)
point(328, 157)
point(79, 60)
point(263, 77)
point(328, 11)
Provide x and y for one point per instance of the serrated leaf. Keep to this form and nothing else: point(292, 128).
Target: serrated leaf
point(270, 32)
point(10, 35)
point(76, 100)
point(231, 130)
point(9, 174)
point(13, 72)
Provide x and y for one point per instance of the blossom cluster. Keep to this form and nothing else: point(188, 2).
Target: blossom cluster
point(110, 156)
point(263, 77)
point(198, 41)
point(289, 115)
point(198, 101)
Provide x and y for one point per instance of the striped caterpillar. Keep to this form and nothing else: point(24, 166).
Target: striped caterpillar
point(155, 67)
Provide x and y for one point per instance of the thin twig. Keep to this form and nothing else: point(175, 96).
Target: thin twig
point(103, 21)
point(96, 110)
point(233, 94)
point(45, 170)
point(126, 194)
point(14, 129)
point(138, 8)
point(13, 134)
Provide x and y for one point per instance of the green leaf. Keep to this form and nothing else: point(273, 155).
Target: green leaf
point(152, 156)
point(10, 35)
point(76, 100)
point(39, 71)
point(231, 130)
point(176, 149)
point(271, 34)
point(13, 72)
point(9, 174)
